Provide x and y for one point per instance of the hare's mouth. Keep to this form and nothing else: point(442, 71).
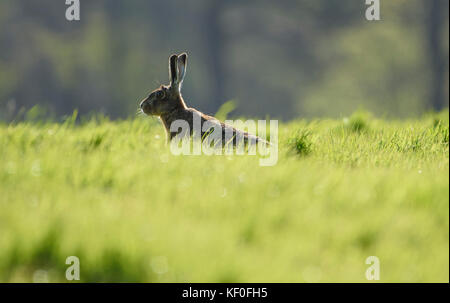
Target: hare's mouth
point(146, 108)
point(147, 112)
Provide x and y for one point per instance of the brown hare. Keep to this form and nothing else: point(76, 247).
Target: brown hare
point(167, 103)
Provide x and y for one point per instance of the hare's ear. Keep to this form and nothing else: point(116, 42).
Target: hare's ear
point(173, 75)
point(181, 63)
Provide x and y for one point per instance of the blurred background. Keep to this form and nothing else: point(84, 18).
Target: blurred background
point(278, 59)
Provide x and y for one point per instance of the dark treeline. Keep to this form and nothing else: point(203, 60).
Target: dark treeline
point(282, 59)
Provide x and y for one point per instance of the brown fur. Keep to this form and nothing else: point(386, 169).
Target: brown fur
point(167, 103)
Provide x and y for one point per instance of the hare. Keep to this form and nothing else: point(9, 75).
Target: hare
point(167, 103)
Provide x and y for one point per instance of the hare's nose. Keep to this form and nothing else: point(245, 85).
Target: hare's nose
point(142, 104)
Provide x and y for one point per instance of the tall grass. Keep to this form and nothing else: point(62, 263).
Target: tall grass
point(111, 194)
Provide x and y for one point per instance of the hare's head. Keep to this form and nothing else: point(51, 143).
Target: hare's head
point(167, 98)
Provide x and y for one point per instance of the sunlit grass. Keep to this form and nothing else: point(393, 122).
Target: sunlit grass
point(113, 195)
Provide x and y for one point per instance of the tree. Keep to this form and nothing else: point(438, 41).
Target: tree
point(436, 16)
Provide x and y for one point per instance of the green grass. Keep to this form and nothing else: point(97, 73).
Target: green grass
point(113, 195)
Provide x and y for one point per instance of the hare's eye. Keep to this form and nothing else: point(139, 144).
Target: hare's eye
point(160, 94)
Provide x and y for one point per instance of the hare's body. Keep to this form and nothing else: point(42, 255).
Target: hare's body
point(167, 103)
point(189, 114)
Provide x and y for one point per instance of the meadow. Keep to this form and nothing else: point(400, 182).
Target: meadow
point(112, 194)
